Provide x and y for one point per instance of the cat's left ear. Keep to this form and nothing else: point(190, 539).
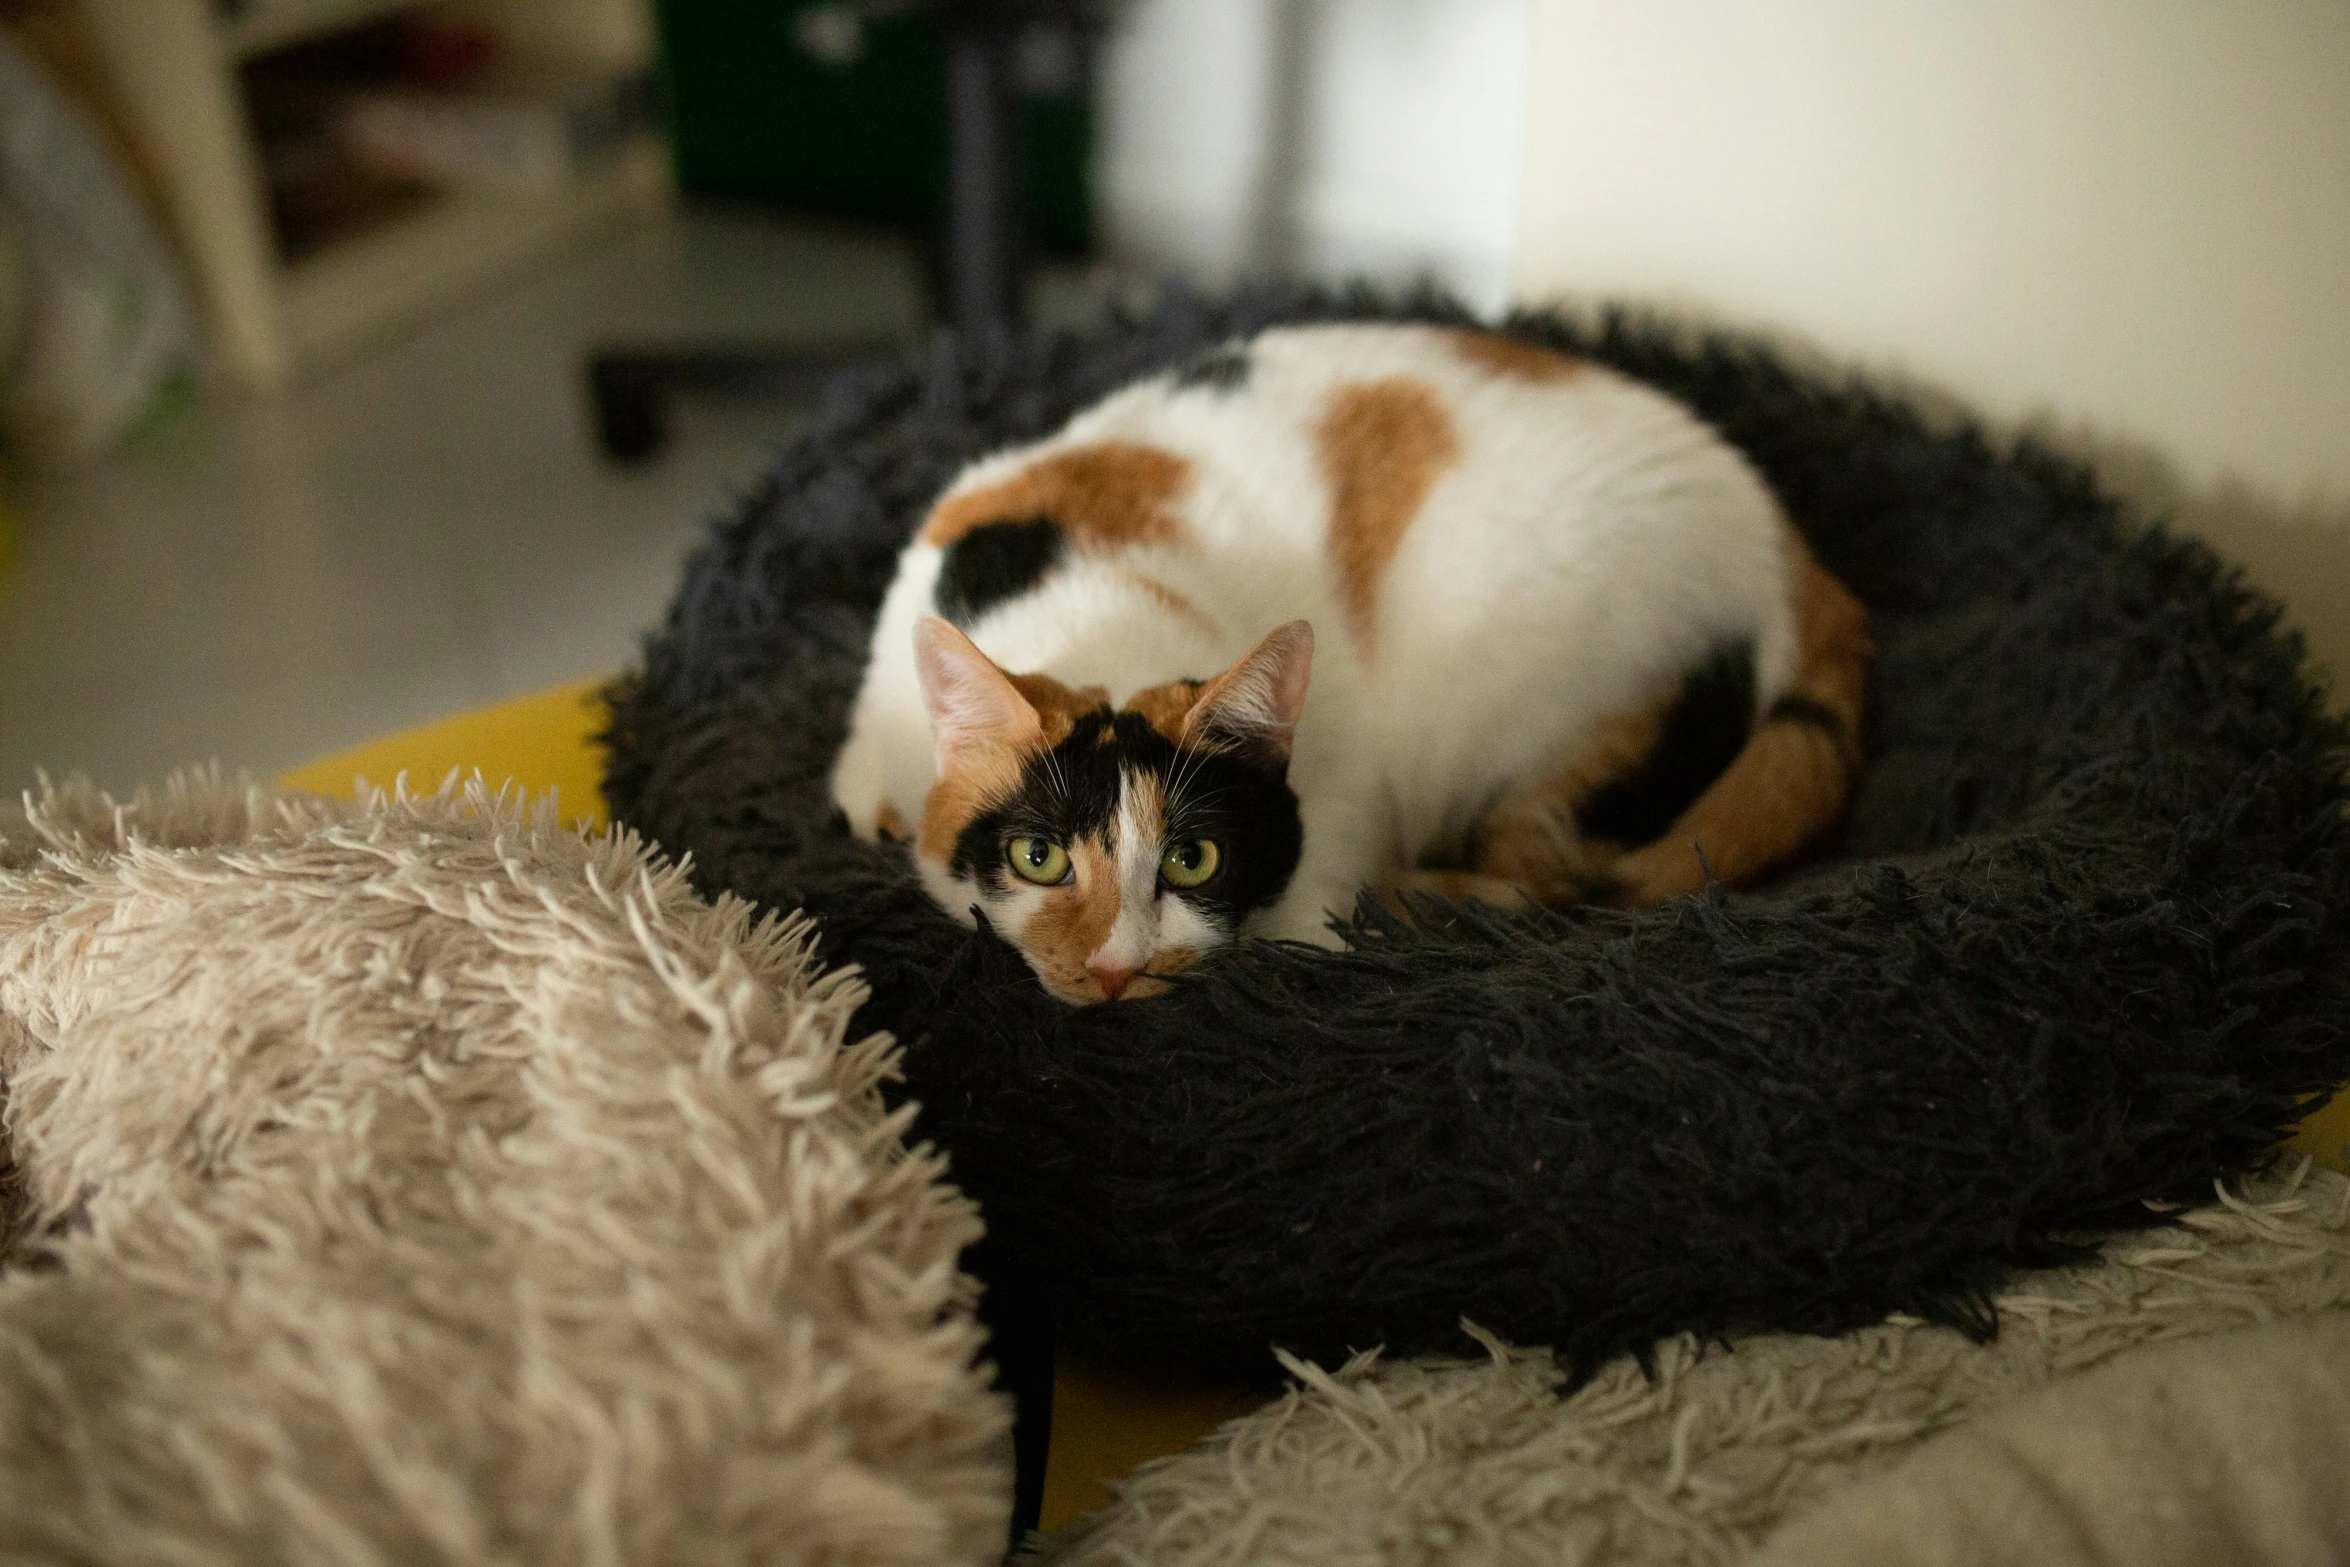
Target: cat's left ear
point(1257, 702)
point(975, 710)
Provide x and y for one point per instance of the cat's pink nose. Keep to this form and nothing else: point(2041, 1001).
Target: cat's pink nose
point(1113, 977)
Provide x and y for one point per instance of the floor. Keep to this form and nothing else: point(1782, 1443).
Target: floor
point(423, 530)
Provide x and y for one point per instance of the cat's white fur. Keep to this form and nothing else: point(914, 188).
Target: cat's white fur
point(1592, 543)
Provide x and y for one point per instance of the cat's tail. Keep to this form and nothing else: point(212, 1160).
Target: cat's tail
point(1792, 780)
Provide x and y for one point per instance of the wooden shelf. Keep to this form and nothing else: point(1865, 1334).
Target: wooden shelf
point(274, 24)
point(174, 65)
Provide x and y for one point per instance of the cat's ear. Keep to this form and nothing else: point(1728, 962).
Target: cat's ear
point(975, 710)
point(1257, 702)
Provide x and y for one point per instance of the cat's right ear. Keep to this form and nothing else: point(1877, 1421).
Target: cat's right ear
point(975, 710)
point(1257, 702)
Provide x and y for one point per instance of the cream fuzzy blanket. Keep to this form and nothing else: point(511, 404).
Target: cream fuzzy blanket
point(422, 1182)
point(2225, 1444)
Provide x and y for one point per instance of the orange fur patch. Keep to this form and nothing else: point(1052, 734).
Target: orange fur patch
point(1103, 495)
point(1786, 786)
point(1512, 360)
point(961, 795)
point(889, 823)
point(1174, 603)
point(1792, 780)
point(1835, 647)
point(1074, 921)
point(1383, 445)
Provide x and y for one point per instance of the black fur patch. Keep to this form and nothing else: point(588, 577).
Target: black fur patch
point(1702, 735)
point(1221, 369)
point(997, 562)
point(1245, 805)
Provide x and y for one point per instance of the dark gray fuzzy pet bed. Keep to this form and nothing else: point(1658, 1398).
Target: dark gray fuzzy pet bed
point(2079, 946)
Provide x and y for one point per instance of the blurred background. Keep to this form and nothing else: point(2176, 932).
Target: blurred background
point(366, 360)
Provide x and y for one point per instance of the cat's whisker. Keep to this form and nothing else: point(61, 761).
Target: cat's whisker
point(1188, 764)
point(1178, 781)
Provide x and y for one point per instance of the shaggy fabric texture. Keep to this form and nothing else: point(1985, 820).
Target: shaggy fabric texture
point(1431, 1462)
point(426, 1183)
point(2223, 1451)
point(2080, 944)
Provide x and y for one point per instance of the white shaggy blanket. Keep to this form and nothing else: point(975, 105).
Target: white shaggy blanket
point(2226, 1445)
point(2228, 1449)
point(421, 1182)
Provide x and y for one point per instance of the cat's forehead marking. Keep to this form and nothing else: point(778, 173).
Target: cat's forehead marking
point(1511, 359)
point(1103, 494)
point(1142, 809)
point(1382, 446)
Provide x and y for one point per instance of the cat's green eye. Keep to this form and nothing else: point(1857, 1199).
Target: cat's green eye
point(1039, 860)
point(1190, 863)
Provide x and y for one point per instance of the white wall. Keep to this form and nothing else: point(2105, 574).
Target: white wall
point(2127, 218)
point(1185, 111)
point(1335, 137)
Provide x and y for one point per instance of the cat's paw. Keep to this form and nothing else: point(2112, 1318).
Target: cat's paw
point(1306, 918)
point(1654, 872)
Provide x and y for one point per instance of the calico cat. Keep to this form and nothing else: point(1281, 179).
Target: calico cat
point(1561, 642)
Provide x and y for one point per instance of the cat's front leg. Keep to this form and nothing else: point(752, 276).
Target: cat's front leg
point(1345, 851)
point(1305, 914)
